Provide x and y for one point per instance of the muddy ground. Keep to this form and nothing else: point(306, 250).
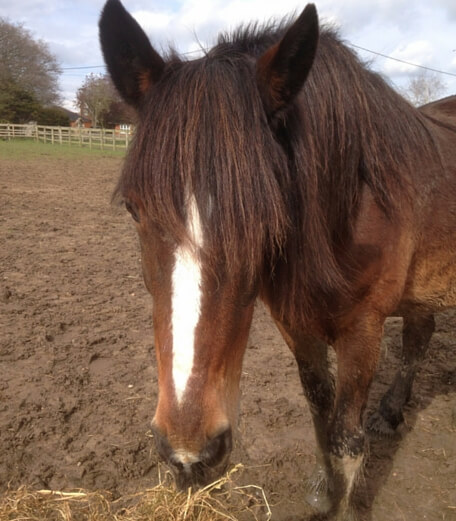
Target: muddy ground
point(77, 372)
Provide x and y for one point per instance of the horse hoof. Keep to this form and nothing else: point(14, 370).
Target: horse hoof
point(378, 425)
point(317, 494)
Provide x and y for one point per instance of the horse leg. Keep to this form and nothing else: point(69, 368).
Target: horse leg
point(337, 413)
point(318, 384)
point(357, 349)
point(416, 334)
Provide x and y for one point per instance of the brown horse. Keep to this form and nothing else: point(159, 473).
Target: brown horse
point(278, 166)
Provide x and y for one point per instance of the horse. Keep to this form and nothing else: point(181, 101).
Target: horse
point(278, 167)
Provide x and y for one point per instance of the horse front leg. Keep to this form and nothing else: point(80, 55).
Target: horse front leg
point(337, 409)
point(357, 348)
point(318, 384)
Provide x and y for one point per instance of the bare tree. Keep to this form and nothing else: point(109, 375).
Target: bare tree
point(28, 63)
point(425, 87)
point(98, 100)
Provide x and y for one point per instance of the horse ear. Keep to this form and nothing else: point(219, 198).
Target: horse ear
point(132, 62)
point(283, 68)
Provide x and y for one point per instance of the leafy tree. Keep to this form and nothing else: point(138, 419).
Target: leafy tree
point(20, 106)
point(424, 87)
point(17, 105)
point(27, 64)
point(53, 116)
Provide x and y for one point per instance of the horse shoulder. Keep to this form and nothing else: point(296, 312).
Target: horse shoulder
point(381, 253)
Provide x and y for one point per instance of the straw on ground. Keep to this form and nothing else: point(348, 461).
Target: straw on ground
point(219, 501)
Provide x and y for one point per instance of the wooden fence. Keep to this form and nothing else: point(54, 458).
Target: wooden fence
point(83, 137)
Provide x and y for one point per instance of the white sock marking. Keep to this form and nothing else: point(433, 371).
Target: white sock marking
point(186, 301)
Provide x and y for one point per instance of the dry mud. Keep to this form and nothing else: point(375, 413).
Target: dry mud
point(78, 381)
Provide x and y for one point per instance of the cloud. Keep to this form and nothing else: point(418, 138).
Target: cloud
point(151, 21)
point(419, 52)
point(27, 9)
point(403, 29)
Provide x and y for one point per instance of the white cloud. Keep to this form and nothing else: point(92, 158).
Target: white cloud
point(151, 21)
point(420, 32)
point(419, 52)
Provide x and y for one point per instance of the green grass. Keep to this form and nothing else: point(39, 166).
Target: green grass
point(23, 148)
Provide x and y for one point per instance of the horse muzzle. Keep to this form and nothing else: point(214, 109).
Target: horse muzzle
point(196, 470)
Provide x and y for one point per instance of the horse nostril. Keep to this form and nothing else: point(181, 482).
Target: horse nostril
point(217, 448)
point(177, 465)
point(163, 447)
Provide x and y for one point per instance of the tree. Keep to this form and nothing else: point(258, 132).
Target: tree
point(425, 87)
point(99, 100)
point(17, 105)
point(27, 64)
point(95, 97)
point(53, 116)
point(119, 112)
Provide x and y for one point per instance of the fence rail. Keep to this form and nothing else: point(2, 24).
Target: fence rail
point(83, 137)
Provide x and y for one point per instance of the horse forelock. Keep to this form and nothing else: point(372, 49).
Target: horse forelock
point(204, 135)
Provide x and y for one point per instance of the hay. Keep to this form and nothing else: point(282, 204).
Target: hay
point(219, 501)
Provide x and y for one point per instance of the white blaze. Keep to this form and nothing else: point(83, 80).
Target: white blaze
point(186, 301)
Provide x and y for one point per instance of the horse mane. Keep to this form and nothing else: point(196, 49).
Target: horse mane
point(281, 200)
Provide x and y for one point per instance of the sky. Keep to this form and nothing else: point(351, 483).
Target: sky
point(419, 31)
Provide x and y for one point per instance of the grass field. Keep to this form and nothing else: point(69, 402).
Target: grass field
point(30, 149)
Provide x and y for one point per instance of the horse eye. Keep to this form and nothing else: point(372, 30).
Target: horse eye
point(133, 209)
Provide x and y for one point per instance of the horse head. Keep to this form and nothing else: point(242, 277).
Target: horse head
point(203, 184)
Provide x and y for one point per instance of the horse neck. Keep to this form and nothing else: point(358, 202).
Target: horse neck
point(349, 132)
